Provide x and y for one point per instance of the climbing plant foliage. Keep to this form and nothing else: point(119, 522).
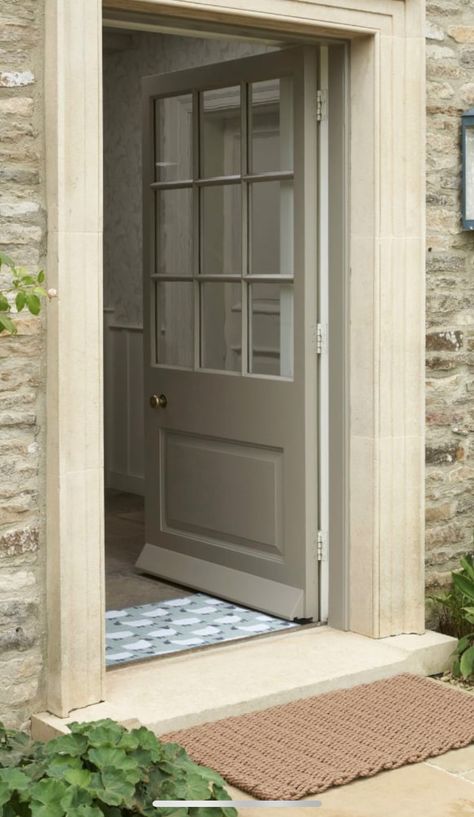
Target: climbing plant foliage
point(23, 290)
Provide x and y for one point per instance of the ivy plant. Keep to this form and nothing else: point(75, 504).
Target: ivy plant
point(102, 770)
point(24, 290)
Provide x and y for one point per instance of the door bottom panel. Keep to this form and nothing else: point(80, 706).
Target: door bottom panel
point(253, 591)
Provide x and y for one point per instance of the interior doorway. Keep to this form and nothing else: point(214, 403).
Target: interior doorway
point(211, 404)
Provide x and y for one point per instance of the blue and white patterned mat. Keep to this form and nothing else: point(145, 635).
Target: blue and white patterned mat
point(194, 621)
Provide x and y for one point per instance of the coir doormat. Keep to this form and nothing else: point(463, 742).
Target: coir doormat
point(310, 745)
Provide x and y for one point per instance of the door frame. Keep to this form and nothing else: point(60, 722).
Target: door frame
point(379, 444)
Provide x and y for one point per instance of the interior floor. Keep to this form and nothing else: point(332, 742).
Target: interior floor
point(124, 539)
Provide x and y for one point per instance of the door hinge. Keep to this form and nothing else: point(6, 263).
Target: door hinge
point(320, 339)
point(321, 105)
point(321, 549)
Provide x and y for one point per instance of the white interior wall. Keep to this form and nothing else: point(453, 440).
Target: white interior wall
point(127, 58)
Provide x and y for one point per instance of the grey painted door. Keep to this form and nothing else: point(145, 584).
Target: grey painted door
point(230, 294)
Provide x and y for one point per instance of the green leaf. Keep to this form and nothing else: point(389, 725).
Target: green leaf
point(456, 668)
point(76, 797)
point(59, 765)
point(15, 779)
point(74, 745)
point(464, 584)
point(7, 325)
point(46, 796)
point(115, 791)
point(25, 279)
point(49, 810)
point(469, 613)
point(6, 261)
point(466, 664)
point(128, 742)
point(5, 794)
point(41, 276)
point(33, 303)
point(463, 644)
point(99, 733)
point(85, 811)
point(78, 777)
point(48, 791)
point(4, 304)
point(197, 788)
point(20, 300)
point(108, 758)
point(467, 566)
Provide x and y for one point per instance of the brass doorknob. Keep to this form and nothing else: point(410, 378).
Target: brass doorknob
point(158, 401)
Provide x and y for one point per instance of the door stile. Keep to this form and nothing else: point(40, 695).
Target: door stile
point(196, 194)
point(307, 155)
point(244, 169)
point(323, 320)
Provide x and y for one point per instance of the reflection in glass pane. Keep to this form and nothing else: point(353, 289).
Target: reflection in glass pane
point(174, 318)
point(220, 132)
point(174, 232)
point(271, 329)
point(173, 134)
point(271, 125)
point(221, 322)
point(271, 228)
point(221, 237)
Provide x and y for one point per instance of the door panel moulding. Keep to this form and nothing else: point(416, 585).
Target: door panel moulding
point(384, 384)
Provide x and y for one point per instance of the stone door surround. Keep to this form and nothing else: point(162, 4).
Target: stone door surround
point(384, 587)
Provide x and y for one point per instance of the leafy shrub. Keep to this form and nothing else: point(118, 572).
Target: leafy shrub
point(458, 610)
point(450, 615)
point(24, 289)
point(102, 770)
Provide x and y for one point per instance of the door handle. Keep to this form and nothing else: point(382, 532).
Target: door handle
point(158, 401)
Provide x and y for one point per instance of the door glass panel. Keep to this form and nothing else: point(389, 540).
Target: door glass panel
point(271, 228)
point(221, 230)
point(271, 125)
point(174, 232)
point(271, 329)
point(220, 132)
point(221, 326)
point(174, 316)
point(173, 135)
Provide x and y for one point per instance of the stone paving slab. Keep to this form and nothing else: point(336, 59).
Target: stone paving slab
point(419, 790)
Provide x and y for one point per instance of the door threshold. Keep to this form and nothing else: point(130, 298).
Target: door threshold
point(196, 687)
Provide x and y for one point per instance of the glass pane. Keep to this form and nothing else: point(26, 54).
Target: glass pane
point(271, 329)
point(221, 322)
point(271, 125)
point(175, 323)
point(271, 228)
point(220, 132)
point(221, 230)
point(174, 232)
point(173, 134)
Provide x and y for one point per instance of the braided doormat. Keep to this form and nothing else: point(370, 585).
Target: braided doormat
point(310, 745)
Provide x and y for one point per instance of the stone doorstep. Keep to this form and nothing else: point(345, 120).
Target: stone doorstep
point(195, 687)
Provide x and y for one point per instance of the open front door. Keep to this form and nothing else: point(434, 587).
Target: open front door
point(230, 284)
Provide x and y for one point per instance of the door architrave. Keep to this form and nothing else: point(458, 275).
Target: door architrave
point(383, 577)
